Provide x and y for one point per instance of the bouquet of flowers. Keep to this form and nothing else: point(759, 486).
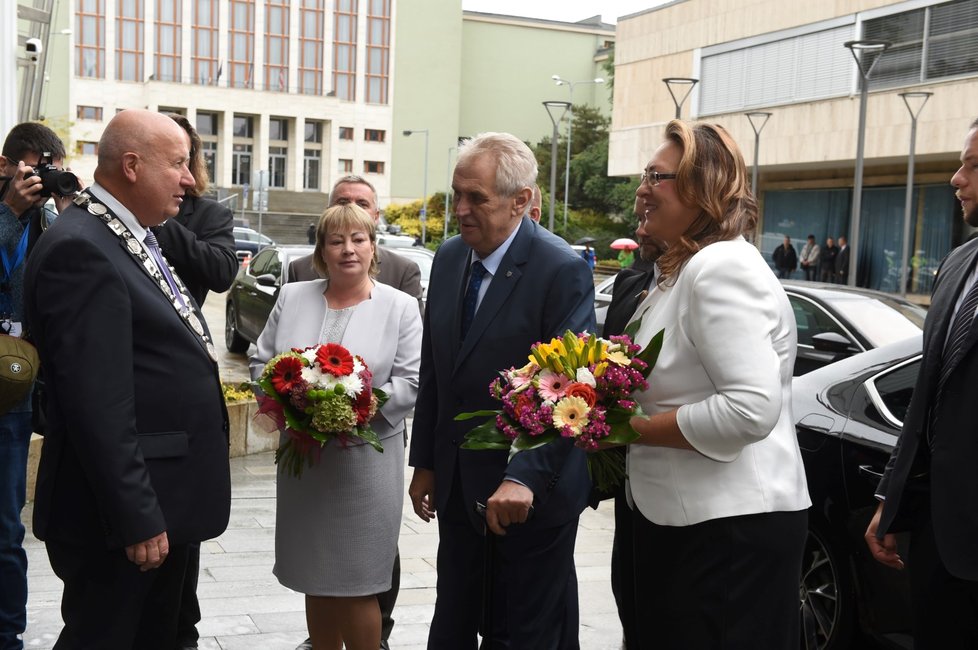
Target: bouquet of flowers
point(577, 386)
point(316, 395)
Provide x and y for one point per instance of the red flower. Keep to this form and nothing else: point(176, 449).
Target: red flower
point(583, 391)
point(287, 372)
point(335, 359)
point(361, 406)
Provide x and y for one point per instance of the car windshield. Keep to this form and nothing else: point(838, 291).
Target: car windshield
point(880, 320)
point(423, 261)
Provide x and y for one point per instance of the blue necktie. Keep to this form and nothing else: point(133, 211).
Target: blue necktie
point(157, 255)
point(476, 273)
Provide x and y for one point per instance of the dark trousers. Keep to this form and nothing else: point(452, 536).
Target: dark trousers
point(623, 570)
point(109, 604)
point(535, 586)
point(810, 272)
point(189, 616)
point(723, 584)
point(945, 607)
point(15, 439)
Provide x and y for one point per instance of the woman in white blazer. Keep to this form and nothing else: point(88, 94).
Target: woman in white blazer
point(337, 525)
point(716, 480)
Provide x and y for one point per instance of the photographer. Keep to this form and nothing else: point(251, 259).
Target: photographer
point(30, 166)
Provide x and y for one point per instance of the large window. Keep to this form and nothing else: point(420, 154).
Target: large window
point(168, 36)
point(207, 130)
point(243, 145)
point(89, 113)
point(129, 41)
point(205, 67)
point(378, 50)
point(312, 155)
point(345, 49)
point(931, 43)
point(277, 45)
point(374, 135)
point(311, 17)
point(90, 38)
point(241, 44)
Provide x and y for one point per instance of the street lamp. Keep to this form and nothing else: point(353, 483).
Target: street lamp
point(448, 190)
point(679, 82)
point(570, 125)
point(762, 118)
point(424, 199)
point(551, 106)
point(919, 98)
point(859, 49)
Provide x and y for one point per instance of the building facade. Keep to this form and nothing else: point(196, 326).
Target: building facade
point(790, 59)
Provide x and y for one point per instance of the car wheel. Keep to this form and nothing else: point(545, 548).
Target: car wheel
point(828, 605)
point(232, 339)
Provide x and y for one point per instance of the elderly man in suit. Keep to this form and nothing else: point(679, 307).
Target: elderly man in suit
point(126, 479)
point(500, 286)
point(929, 486)
point(395, 270)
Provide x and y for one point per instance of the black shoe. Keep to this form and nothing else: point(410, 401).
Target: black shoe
point(305, 645)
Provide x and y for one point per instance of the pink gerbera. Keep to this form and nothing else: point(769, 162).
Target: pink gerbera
point(552, 385)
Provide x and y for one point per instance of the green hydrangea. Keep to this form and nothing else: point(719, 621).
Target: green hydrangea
point(334, 413)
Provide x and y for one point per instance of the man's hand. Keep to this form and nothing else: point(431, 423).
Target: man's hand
point(885, 550)
point(23, 193)
point(422, 493)
point(510, 504)
point(149, 554)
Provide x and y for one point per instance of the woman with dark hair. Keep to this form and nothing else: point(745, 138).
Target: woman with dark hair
point(199, 242)
point(716, 478)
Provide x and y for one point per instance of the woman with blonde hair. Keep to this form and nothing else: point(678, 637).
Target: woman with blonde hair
point(337, 525)
point(716, 479)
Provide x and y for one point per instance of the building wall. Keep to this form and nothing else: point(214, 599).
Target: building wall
point(426, 95)
point(507, 65)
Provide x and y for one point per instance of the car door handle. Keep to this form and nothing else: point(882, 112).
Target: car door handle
point(870, 472)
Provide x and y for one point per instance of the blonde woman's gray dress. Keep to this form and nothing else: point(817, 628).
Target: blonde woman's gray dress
point(337, 525)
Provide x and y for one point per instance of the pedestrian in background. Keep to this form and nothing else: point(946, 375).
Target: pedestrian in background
point(785, 259)
point(808, 260)
point(842, 262)
point(826, 261)
point(929, 485)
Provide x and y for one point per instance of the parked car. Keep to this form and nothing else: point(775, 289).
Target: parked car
point(848, 416)
point(602, 298)
point(836, 321)
point(423, 258)
point(253, 292)
point(252, 241)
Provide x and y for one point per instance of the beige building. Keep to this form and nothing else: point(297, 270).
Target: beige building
point(789, 59)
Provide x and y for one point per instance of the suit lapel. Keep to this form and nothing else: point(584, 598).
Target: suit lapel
point(962, 272)
point(502, 285)
point(940, 313)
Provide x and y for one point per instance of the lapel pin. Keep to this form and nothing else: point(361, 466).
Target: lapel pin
point(509, 274)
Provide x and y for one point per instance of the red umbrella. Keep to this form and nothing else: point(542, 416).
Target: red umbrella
point(624, 244)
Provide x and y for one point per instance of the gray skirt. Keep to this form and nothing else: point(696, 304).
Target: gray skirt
point(336, 526)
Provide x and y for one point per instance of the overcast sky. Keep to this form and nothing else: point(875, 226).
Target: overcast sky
point(566, 10)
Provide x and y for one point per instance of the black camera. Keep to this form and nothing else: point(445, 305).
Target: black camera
point(53, 180)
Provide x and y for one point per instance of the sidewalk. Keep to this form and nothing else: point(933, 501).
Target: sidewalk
point(244, 607)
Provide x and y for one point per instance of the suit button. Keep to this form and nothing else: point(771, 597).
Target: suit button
point(455, 441)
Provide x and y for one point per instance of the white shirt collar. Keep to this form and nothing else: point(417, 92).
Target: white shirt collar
point(495, 258)
point(120, 211)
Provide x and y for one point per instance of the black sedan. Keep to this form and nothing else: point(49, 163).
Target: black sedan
point(253, 292)
point(848, 416)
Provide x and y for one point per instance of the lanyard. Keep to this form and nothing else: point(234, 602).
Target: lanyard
point(9, 265)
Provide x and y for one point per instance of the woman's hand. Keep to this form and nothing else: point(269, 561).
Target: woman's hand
point(660, 430)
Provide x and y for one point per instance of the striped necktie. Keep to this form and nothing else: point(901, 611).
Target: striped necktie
point(154, 251)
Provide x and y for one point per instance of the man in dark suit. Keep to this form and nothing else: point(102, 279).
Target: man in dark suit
point(395, 270)
point(499, 287)
point(826, 261)
point(842, 262)
point(134, 466)
point(930, 486)
point(630, 289)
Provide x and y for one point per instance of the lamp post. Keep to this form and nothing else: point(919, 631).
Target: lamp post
point(762, 118)
point(551, 106)
point(424, 198)
point(570, 126)
point(919, 98)
point(859, 49)
point(679, 82)
point(448, 190)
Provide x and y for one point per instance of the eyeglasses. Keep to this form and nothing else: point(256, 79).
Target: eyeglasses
point(653, 178)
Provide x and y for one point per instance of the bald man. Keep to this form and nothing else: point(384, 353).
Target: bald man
point(126, 479)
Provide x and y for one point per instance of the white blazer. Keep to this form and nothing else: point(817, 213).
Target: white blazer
point(385, 330)
point(726, 363)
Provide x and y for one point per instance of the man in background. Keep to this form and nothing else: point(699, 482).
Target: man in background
point(826, 261)
point(842, 262)
point(809, 259)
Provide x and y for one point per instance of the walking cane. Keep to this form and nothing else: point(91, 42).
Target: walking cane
point(488, 571)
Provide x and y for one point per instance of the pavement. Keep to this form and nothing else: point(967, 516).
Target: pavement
point(244, 607)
